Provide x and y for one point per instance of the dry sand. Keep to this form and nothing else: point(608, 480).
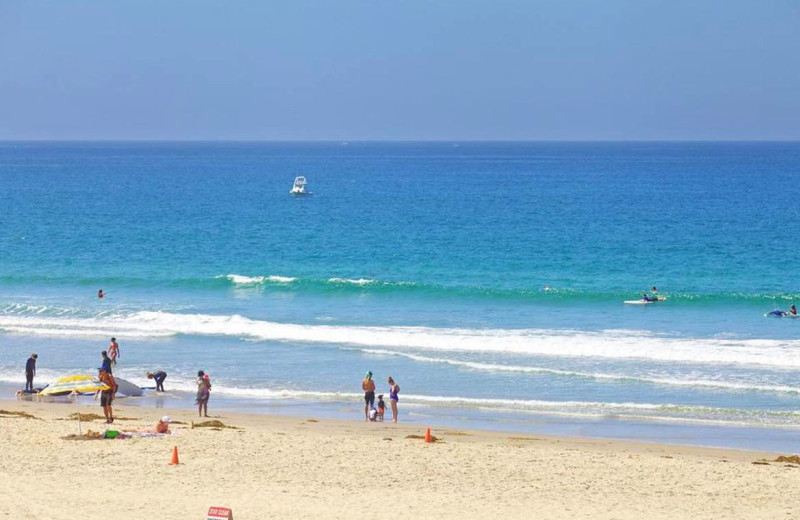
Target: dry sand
point(286, 467)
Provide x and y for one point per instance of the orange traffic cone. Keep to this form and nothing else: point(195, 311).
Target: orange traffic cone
point(174, 461)
point(428, 436)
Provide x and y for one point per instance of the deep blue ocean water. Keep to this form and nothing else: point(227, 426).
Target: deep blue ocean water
point(487, 278)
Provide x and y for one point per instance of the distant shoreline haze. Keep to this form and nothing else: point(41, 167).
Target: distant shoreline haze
point(378, 70)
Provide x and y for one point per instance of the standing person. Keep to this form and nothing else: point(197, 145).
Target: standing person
point(394, 389)
point(107, 396)
point(368, 386)
point(381, 407)
point(159, 376)
point(203, 393)
point(113, 351)
point(30, 371)
point(106, 361)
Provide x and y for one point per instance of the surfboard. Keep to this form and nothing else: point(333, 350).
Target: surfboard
point(127, 388)
point(777, 313)
point(645, 302)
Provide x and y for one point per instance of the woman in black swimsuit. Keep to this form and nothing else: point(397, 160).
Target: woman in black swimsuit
point(394, 389)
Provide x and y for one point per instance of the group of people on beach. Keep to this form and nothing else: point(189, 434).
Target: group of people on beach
point(107, 396)
point(106, 376)
point(113, 353)
point(371, 413)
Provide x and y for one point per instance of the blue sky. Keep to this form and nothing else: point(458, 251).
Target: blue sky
point(398, 70)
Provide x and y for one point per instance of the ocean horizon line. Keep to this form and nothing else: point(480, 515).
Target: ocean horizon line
point(398, 141)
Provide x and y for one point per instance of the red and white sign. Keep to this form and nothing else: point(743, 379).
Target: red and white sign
point(219, 513)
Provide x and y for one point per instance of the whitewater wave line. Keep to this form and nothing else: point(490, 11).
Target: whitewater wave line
point(630, 410)
point(240, 279)
point(434, 287)
point(607, 344)
point(187, 385)
point(491, 367)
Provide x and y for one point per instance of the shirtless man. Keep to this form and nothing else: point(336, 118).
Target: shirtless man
point(107, 396)
point(368, 385)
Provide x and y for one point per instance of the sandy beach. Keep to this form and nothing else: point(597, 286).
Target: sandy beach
point(280, 467)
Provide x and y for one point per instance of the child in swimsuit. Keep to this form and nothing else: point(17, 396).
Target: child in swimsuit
point(381, 407)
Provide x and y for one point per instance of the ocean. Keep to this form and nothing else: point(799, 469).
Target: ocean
point(487, 278)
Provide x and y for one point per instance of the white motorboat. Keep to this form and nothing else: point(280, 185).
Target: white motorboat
point(299, 187)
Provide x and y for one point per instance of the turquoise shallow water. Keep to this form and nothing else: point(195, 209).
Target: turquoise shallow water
point(488, 278)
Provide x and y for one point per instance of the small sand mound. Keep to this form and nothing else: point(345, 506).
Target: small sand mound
point(790, 458)
point(86, 416)
point(88, 436)
point(312, 420)
point(23, 415)
point(212, 424)
point(433, 437)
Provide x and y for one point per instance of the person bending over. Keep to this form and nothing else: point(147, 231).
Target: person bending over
point(159, 377)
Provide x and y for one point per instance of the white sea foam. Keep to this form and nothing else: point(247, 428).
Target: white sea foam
point(360, 281)
point(24, 308)
point(182, 386)
point(541, 342)
point(490, 367)
point(281, 279)
point(239, 279)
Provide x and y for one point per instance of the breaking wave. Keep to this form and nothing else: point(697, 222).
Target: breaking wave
point(605, 344)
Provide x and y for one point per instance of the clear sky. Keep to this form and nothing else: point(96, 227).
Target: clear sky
point(400, 69)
